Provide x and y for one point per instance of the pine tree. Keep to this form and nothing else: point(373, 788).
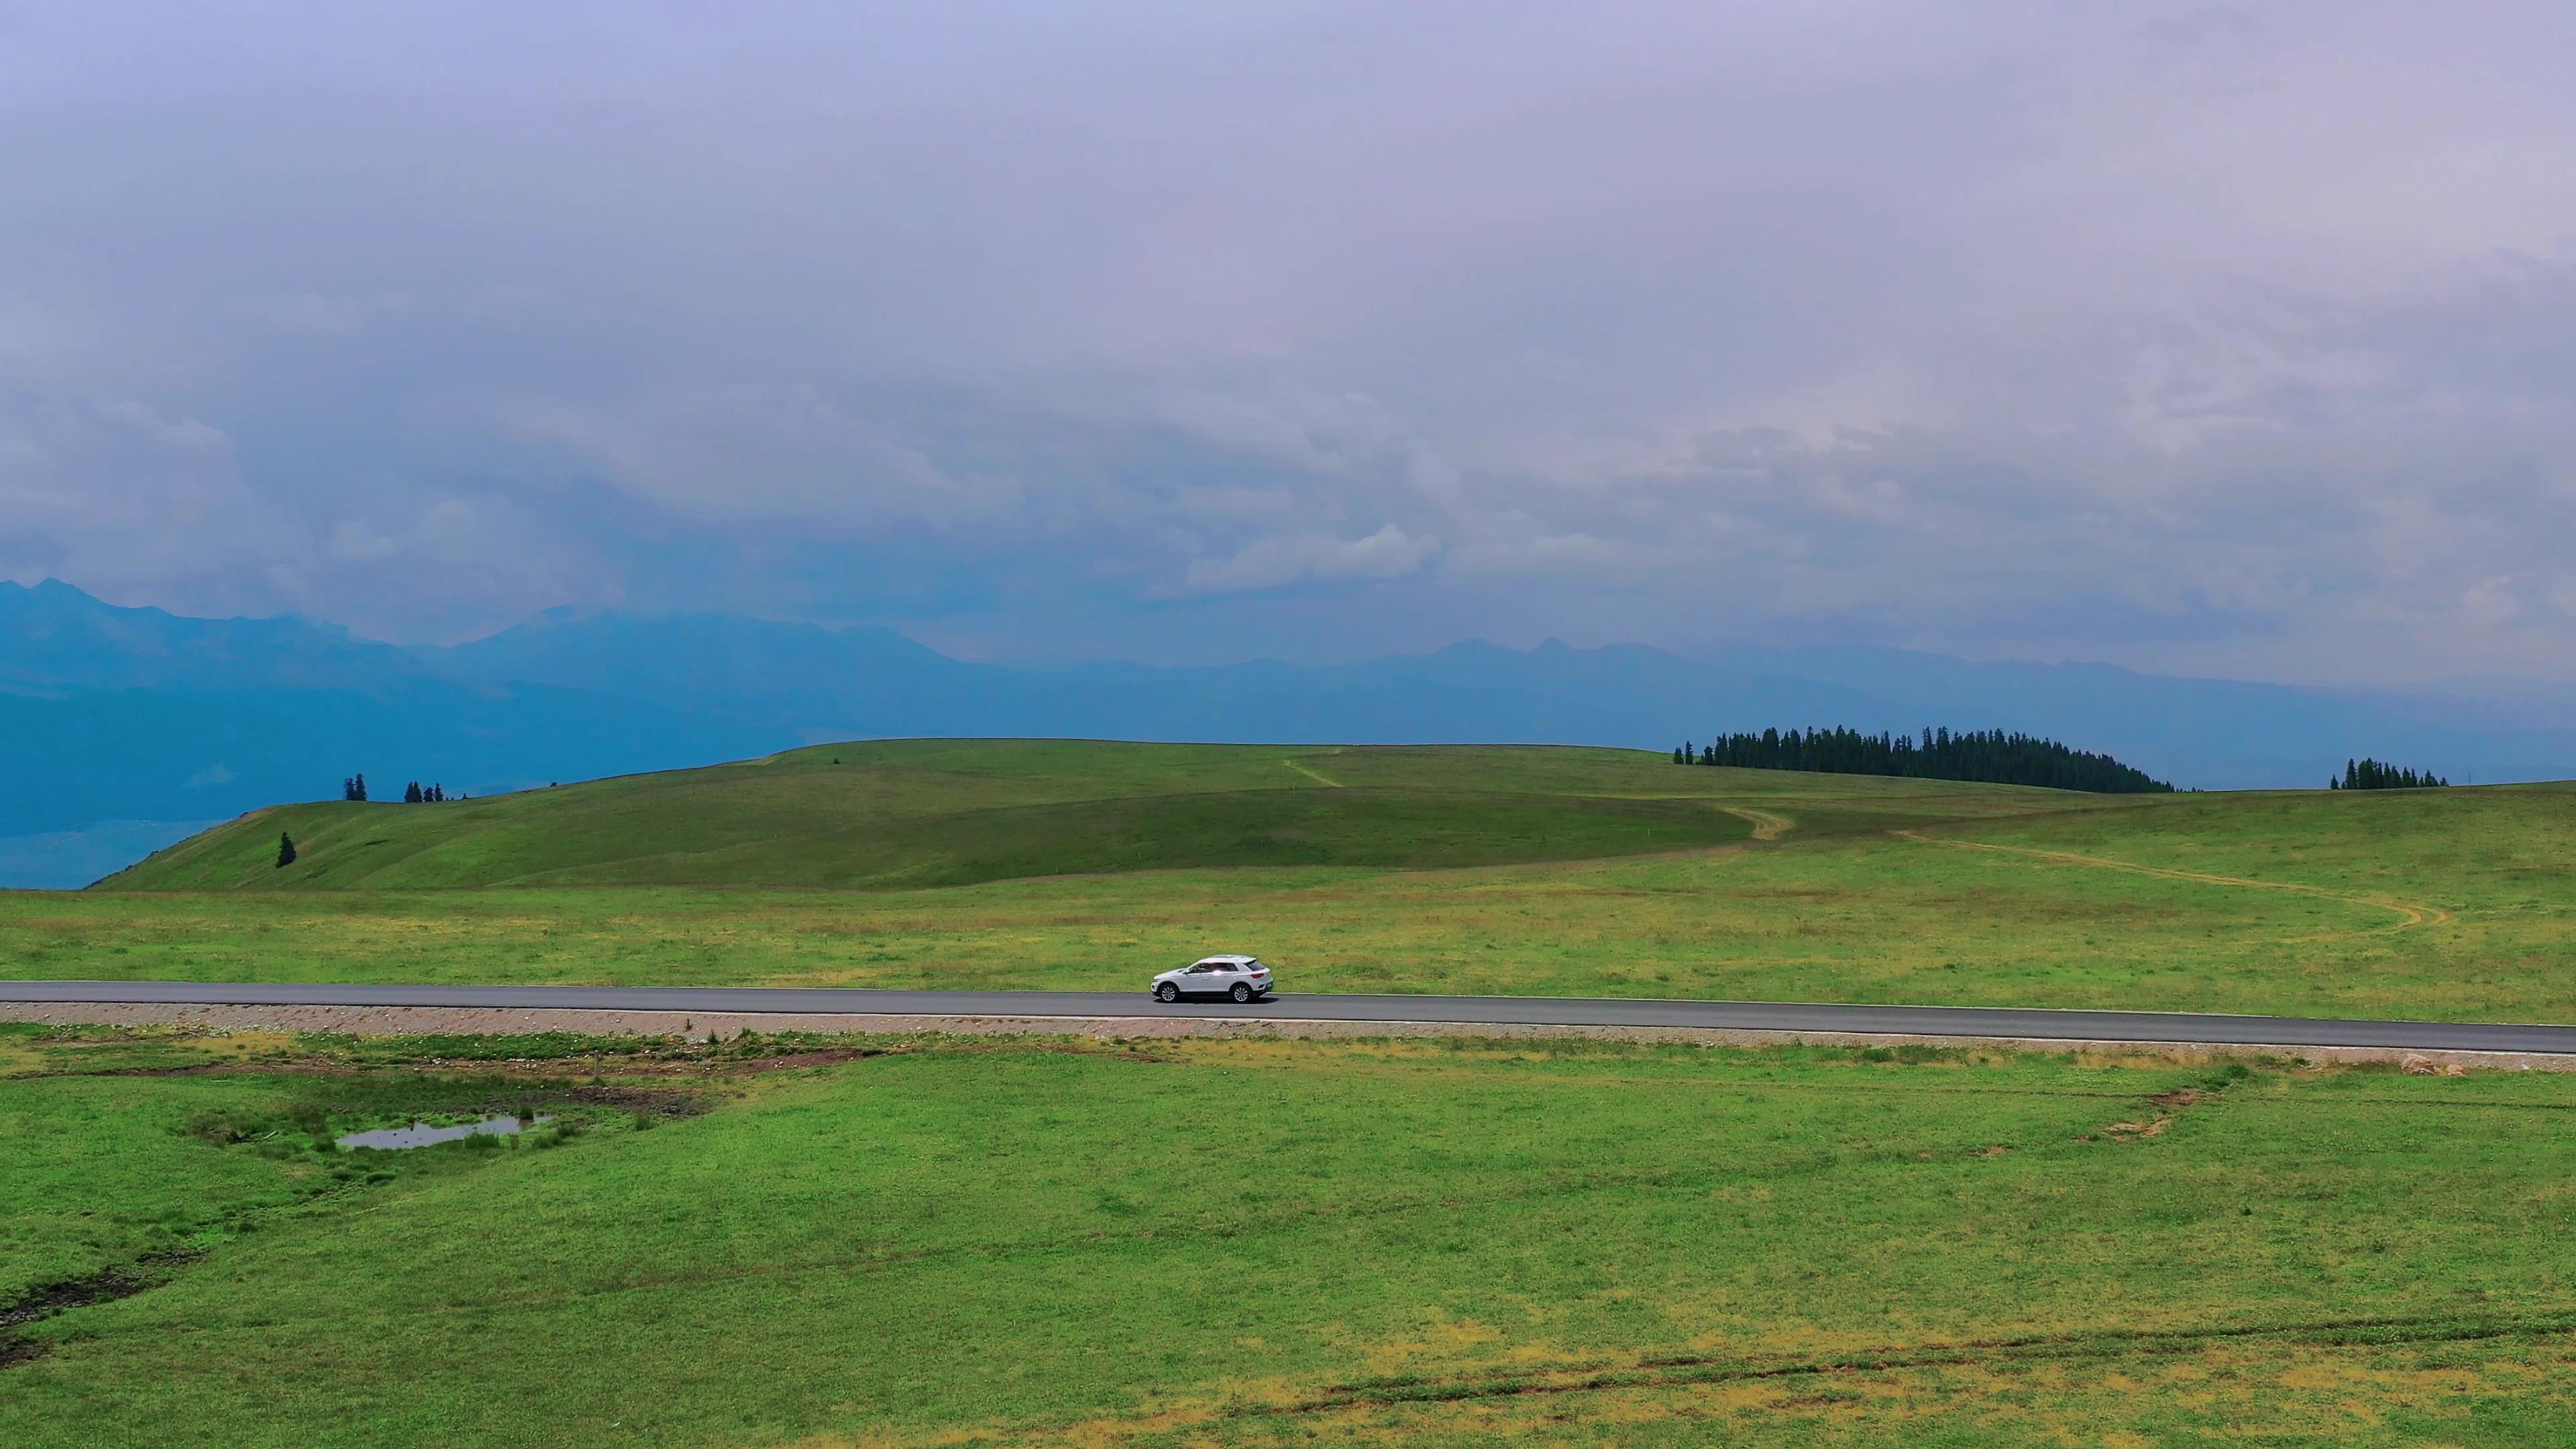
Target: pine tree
point(285, 850)
point(411, 793)
point(1943, 754)
point(2372, 774)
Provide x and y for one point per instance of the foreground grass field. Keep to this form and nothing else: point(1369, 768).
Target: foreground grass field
point(2451, 904)
point(1243, 1243)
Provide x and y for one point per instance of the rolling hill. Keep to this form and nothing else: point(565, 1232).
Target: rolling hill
point(914, 813)
point(1554, 871)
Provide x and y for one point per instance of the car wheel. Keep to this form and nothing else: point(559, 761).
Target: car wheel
point(1241, 993)
point(1167, 993)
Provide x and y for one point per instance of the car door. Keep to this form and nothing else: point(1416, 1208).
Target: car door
point(1222, 979)
point(1203, 979)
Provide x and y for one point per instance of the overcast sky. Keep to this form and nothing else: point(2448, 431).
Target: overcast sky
point(2203, 338)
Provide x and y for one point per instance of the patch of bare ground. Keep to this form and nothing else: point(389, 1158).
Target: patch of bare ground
point(103, 1286)
point(683, 1063)
point(2167, 1104)
point(642, 1101)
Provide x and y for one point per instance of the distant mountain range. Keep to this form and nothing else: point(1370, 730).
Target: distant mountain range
point(137, 715)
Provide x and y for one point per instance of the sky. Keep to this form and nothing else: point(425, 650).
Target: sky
point(2207, 339)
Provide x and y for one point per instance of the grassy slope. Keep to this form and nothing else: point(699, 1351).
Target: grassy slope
point(2442, 904)
point(915, 813)
point(1255, 1243)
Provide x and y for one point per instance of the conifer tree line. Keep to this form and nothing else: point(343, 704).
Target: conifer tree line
point(2378, 775)
point(414, 792)
point(1993, 757)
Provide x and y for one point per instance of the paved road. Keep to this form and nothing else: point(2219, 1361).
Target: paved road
point(1969, 1021)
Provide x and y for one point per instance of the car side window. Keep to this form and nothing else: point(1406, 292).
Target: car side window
point(1201, 969)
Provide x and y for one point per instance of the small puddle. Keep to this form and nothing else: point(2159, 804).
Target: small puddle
point(421, 1134)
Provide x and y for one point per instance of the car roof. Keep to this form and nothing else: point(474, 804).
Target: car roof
point(1223, 956)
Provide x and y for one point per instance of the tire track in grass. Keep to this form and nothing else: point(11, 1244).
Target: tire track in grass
point(2109, 1343)
point(1314, 775)
point(1665, 1371)
point(2410, 916)
point(1766, 826)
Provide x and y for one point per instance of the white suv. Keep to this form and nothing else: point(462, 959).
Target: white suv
point(1243, 978)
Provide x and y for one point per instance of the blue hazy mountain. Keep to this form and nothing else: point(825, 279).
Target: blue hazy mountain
point(54, 637)
point(837, 684)
point(822, 684)
point(139, 716)
point(801, 675)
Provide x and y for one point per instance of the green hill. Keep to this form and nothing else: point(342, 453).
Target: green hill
point(1479, 870)
point(911, 813)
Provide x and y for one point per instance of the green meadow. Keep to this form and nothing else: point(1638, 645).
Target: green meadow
point(1567, 872)
point(814, 1243)
point(928, 813)
point(891, 1242)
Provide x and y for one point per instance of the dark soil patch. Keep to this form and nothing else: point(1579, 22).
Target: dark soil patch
point(104, 1286)
point(784, 1061)
point(643, 1101)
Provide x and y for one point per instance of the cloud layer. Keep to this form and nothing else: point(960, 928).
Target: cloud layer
point(2196, 337)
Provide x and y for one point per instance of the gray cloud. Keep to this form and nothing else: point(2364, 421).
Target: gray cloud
point(2198, 337)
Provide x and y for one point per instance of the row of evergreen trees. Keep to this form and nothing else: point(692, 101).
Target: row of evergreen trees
point(414, 793)
point(1991, 756)
point(2378, 775)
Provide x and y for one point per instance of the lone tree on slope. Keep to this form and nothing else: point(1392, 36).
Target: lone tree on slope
point(285, 850)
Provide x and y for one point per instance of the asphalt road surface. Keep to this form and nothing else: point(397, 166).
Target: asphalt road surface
point(1961, 1021)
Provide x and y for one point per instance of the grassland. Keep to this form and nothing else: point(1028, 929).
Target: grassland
point(2450, 904)
point(852, 1243)
point(1283, 1243)
point(929, 813)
